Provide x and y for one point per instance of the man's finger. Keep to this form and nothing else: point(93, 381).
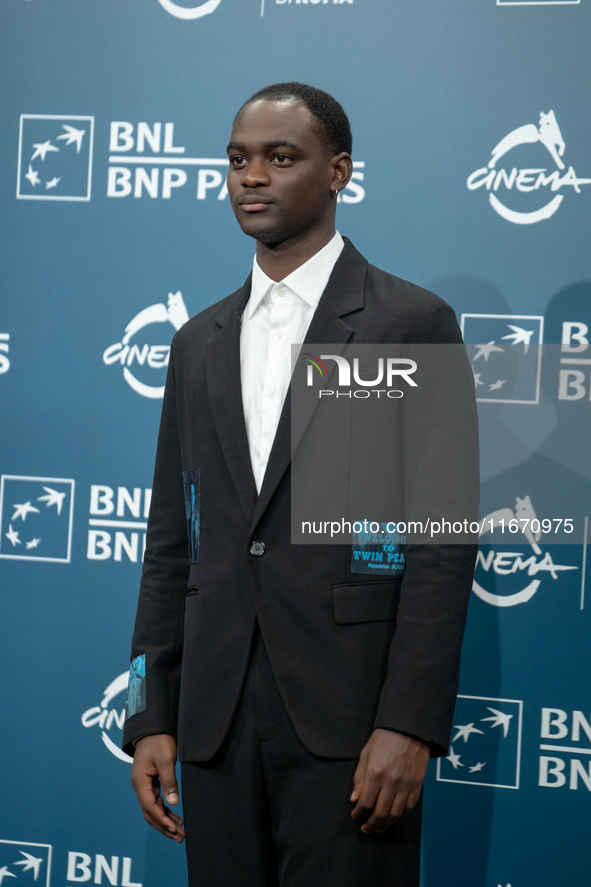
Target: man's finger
point(397, 810)
point(412, 801)
point(163, 825)
point(149, 797)
point(166, 772)
point(367, 799)
point(359, 778)
point(163, 819)
point(378, 820)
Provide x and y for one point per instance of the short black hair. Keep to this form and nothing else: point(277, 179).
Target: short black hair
point(333, 127)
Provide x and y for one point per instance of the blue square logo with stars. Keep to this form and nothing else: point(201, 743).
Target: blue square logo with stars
point(506, 356)
point(23, 864)
point(485, 747)
point(36, 515)
point(54, 157)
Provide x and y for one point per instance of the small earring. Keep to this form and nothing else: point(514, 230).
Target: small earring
point(335, 194)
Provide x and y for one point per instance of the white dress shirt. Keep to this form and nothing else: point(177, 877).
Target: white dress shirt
point(276, 317)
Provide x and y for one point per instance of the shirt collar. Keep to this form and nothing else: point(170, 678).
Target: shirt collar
point(308, 282)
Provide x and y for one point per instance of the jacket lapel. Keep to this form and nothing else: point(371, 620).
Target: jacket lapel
point(222, 361)
point(344, 294)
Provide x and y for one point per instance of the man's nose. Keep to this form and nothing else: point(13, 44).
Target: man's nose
point(256, 174)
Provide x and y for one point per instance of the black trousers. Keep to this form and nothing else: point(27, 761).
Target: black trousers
point(265, 812)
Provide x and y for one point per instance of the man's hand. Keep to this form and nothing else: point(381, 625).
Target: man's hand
point(153, 766)
point(388, 779)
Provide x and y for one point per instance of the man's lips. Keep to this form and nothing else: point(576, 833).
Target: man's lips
point(252, 203)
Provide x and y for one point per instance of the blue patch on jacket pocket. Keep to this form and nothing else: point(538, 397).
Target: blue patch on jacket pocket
point(378, 554)
point(377, 560)
point(192, 488)
point(136, 689)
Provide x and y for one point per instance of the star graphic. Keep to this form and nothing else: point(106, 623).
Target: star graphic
point(465, 731)
point(475, 769)
point(32, 544)
point(52, 183)
point(498, 718)
point(23, 510)
point(73, 135)
point(32, 176)
point(41, 149)
point(453, 758)
point(519, 335)
point(477, 380)
point(486, 351)
point(5, 873)
point(52, 498)
point(29, 862)
point(496, 385)
point(13, 536)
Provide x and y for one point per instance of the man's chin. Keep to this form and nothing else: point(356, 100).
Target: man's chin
point(259, 228)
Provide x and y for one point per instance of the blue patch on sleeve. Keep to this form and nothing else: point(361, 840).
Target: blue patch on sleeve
point(378, 554)
point(136, 689)
point(192, 487)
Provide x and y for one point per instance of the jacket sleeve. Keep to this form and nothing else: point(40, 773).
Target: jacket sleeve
point(158, 635)
point(441, 445)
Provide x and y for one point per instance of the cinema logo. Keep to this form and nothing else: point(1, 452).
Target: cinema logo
point(491, 564)
point(4, 349)
point(530, 179)
point(145, 362)
point(190, 13)
point(388, 370)
point(109, 718)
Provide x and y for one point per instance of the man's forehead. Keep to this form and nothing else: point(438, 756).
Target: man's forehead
point(269, 121)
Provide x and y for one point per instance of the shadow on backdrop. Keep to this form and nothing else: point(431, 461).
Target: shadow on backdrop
point(534, 457)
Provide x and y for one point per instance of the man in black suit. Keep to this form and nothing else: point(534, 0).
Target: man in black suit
point(306, 698)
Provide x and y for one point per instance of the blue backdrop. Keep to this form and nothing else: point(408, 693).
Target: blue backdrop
point(472, 178)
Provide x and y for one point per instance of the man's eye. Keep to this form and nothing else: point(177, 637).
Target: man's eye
point(281, 158)
point(238, 161)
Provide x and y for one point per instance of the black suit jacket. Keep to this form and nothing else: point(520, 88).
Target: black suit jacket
point(349, 653)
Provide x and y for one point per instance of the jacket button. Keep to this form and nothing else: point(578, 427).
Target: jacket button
point(257, 548)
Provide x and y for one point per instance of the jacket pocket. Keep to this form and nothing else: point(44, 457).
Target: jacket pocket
point(192, 583)
point(366, 602)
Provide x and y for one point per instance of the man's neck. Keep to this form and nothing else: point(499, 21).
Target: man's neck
point(280, 260)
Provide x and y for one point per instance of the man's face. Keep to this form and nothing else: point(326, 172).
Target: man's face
point(280, 176)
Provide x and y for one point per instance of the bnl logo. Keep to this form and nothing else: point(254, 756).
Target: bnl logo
point(505, 360)
point(54, 157)
point(485, 744)
point(29, 863)
point(36, 516)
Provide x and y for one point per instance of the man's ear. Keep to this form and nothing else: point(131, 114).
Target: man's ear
point(342, 170)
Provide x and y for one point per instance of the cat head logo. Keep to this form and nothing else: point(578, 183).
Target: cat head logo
point(530, 180)
point(190, 12)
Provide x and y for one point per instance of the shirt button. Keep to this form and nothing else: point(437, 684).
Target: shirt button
point(271, 394)
point(281, 291)
point(279, 333)
point(257, 548)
